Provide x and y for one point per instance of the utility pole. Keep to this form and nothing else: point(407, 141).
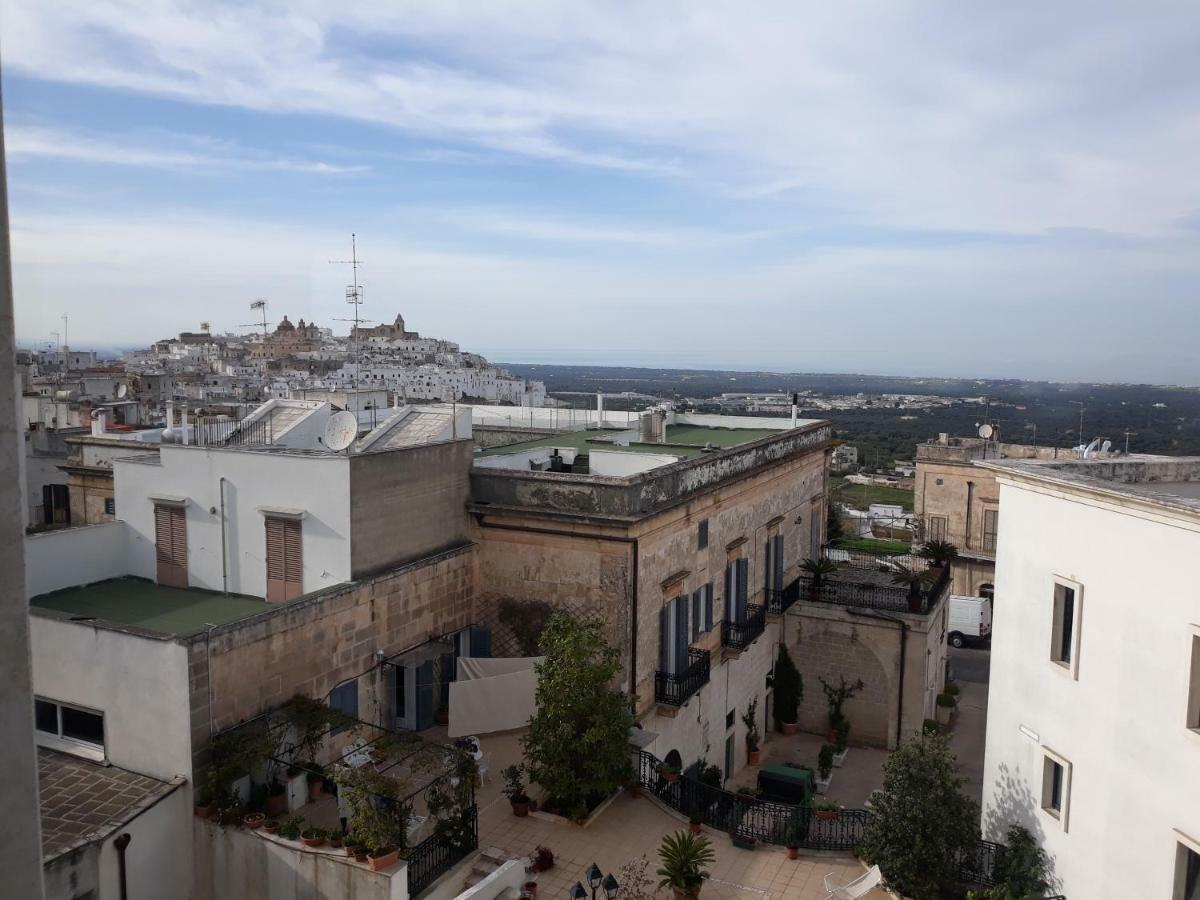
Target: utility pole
point(1079, 403)
point(1128, 435)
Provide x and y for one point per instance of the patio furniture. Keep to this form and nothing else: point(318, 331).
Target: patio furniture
point(482, 767)
point(859, 887)
point(357, 755)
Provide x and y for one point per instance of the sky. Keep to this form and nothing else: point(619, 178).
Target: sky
point(1003, 190)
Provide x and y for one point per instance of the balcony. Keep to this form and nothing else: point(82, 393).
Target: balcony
point(778, 600)
point(738, 636)
point(674, 688)
point(863, 588)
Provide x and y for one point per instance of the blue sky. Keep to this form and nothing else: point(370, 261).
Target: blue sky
point(932, 189)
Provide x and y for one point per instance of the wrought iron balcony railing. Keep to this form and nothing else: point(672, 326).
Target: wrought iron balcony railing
point(741, 634)
point(674, 688)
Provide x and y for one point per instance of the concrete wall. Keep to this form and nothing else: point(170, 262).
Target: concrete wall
point(139, 683)
point(406, 504)
point(1122, 723)
point(74, 556)
point(74, 874)
point(317, 484)
point(310, 647)
point(830, 641)
point(158, 860)
point(499, 436)
point(232, 862)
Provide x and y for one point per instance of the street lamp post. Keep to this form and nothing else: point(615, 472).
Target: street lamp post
point(596, 879)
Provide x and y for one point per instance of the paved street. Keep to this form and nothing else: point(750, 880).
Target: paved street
point(971, 663)
point(971, 668)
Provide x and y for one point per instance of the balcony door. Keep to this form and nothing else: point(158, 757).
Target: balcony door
point(170, 544)
point(736, 583)
point(285, 559)
point(673, 635)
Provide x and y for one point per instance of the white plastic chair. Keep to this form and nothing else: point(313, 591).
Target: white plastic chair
point(482, 767)
point(857, 888)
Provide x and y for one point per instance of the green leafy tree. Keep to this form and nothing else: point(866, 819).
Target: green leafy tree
point(577, 747)
point(1022, 871)
point(789, 688)
point(921, 822)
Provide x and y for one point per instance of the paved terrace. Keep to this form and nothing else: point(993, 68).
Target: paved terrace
point(142, 604)
point(682, 440)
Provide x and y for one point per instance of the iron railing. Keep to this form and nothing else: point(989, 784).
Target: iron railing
point(221, 432)
point(863, 595)
point(874, 560)
point(765, 821)
point(674, 688)
point(773, 600)
point(436, 855)
point(781, 600)
point(741, 634)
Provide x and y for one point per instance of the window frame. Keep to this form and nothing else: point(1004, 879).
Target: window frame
point(702, 535)
point(352, 684)
point(939, 533)
point(1184, 845)
point(988, 538)
point(1192, 722)
point(1068, 666)
point(1062, 813)
point(66, 743)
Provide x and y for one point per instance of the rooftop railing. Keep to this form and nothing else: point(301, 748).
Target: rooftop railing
point(674, 688)
point(219, 432)
point(741, 634)
point(840, 589)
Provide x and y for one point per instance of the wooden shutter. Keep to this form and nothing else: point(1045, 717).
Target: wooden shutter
point(170, 545)
point(285, 559)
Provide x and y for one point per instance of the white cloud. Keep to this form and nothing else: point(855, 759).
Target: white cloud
point(23, 142)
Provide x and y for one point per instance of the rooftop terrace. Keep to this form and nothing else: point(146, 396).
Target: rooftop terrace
point(686, 441)
point(1170, 481)
point(152, 607)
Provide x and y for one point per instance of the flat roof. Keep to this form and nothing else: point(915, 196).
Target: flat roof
point(1171, 481)
point(682, 440)
point(143, 604)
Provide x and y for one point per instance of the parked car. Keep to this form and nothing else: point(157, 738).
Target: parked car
point(970, 620)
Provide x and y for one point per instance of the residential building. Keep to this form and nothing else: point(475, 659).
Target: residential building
point(1093, 731)
point(845, 458)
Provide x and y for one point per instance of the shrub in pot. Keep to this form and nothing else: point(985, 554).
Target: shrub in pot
point(791, 839)
point(789, 689)
point(825, 761)
point(750, 720)
point(694, 822)
point(312, 837)
point(836, 697)
point(276, 803)
point(541, 859)
point(254, 820)
point(685, 858)
point(669, 773)
point(938, 554)
point(826, 810)
point(514, 789)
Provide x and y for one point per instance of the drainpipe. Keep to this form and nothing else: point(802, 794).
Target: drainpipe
point(183, 424)
point(633, 617)
point(903, 654)
point(599, 410)
point(121, 843)
point(224, 564)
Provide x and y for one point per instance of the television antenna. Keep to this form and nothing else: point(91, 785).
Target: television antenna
point(259, 304)
point(341, 430)
point(354, 296)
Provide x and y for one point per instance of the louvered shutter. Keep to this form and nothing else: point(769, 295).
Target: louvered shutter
point(681, 633)
point(743, 585)
point(170, 545)
point(730, 600)
point(285, 560)
point(708, 607)
point(664, 639)
point(777, 561)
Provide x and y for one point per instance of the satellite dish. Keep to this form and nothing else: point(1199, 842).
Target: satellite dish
point(122, 391)
point(985, 431)
point(341, 430)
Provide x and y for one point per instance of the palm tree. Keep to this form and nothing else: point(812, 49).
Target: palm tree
point(818, 568)
point(916, 582)
point(939, 553)
point(684, 856)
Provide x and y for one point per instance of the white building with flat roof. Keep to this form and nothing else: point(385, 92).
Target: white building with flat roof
point(1093, 732)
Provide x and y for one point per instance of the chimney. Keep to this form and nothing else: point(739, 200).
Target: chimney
point(98, 423)
point(170, 413)
point(183, 424)
point(599, 409)
point(795, 408)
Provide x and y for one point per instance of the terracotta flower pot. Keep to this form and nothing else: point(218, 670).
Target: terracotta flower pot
point(316, 789)
point(793, 852)
point(670, 777)
point(826, 814)
point(359, 853)
point(788, 728)
point(442, 717)
point(254, 820)
point(204, 811)
point(753, 757)
point(382, 862)
point(520, 810)
point(270, 826)
point(275, 806)
point(312, 842)
point(530, 888)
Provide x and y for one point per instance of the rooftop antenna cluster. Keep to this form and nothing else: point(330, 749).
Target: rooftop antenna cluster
point(354, 296)
point(261, 305)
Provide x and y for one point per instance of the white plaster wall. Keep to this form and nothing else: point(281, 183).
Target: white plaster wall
point(158, 860)
point(140, 684)
point(1135, 766)
point(74, 556)
point(319, 485)
point(623, 463)
point(698, 729)
point(232, 862)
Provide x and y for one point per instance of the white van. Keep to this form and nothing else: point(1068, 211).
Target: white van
point(970, 620)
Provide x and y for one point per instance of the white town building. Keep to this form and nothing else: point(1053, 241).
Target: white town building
point(1093, 732)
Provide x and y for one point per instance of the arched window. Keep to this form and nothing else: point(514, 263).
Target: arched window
point(987, 591)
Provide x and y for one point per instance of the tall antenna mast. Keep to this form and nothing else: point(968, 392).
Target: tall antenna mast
point(261, 304)
point(354, 296)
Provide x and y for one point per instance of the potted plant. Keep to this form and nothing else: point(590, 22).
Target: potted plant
point(743, 840)
point(685, 858)
point(355, 849)
point(931, 726)
point(270, 826)
point(315, 776)
point(938, 554)
point(824, 768)
point(541, 859)
point(695, 820)
point(335, 840)
point(836, 696)
point(291, 828)
point(841, 738)
point(826, 810)
point(916, 583)
point(750, 720)
point(945, 707)
point(254, 820)
point(710, 775)
point(817, 570)
point(312, 837)
point(204, 806)
point(669, 773)
point(791, 839)
point(514, 789)
point(529, 888)
point(789, 689)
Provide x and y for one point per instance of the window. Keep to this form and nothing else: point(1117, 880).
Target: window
point(1064, 643)
point(990, 520)
point(1193, 711)
point(110, 506)
point(702, 535)
point(1187, 872)
point(1056, 786)
point(729, 719)
point(936, 528)
point(344, 698)
point(69, 724)
point(737, 573)
point(170, 544)
point(773, 570)
point(285, 561)
point(673, 635)
point(702, 610)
